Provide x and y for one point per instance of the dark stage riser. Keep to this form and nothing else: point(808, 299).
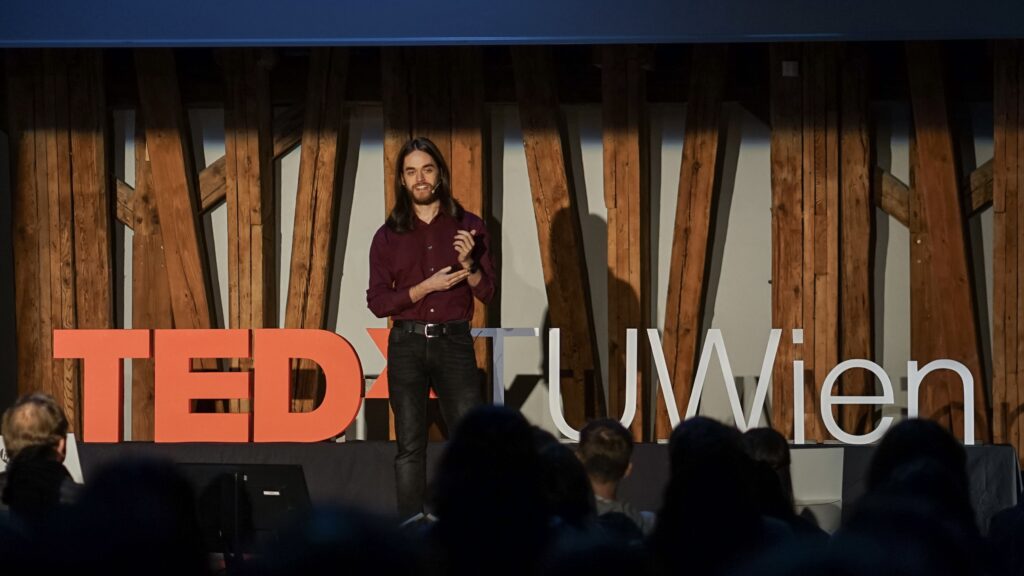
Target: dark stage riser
point(361, 473)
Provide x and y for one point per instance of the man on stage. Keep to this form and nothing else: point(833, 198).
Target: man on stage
point(427, 263)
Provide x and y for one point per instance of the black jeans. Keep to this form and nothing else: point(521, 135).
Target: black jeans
point(415, 364)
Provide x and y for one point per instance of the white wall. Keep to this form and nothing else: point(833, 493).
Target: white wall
point(739, 283)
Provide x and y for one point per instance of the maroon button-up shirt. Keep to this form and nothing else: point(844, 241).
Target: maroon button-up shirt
point(400, 261)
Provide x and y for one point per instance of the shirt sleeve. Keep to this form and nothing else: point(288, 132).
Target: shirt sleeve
point(484, 290)
point(382, 298)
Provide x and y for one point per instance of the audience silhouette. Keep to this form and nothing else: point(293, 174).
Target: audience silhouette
point(512, 499)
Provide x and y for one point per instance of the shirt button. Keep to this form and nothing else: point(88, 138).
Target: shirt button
point(430, 247)
point(431, 310)
point(431, 269)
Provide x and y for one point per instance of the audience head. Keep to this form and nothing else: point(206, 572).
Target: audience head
point(918, 459)
point(35, 420)
point(564, 481)
point(709, 518)
point(134, 516)
point(605, 450)
point(488, 492)
point(774, 485)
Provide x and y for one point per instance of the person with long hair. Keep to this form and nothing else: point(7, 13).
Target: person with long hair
point(428, 262)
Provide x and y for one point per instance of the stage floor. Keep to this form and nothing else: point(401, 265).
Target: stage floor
point(828, 478)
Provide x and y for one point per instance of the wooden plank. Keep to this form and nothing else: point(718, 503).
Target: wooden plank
point(558, 231)
point(174, 187)
point(287, 135)
point(981, 186)
point(825, 226)
point(786, 105)
point(468, 162)
point(949, 328)
point(857, 230)
point(830, 295)
point(892, 195)
point(430, 100)
point(61, 248)
point(249, 157)
point(124, 211)
point(395, 97)
point(30, 220)
point(1016, 397)
point(323, 149)
point(248, 181)
point(90, 183)
point(151, 292)
point(703, 142)
point(625, 178)
point(1004, 89)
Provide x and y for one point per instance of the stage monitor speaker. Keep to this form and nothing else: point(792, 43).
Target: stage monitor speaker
point(243, 507)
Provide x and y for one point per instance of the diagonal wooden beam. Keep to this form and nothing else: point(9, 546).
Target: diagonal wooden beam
point(174, 189)
point(892, 195)
point(558, 229)
point(981, 186)
point(124, 198)
point(323, 149)
point(699, 180)
point(287, 135)
point(943, 319)
point(212, 179)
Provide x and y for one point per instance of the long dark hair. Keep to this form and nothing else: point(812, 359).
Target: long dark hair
point(400, 220)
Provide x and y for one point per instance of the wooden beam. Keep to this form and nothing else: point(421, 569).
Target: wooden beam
point(248, 153)
point(1007, 177)
point(323, 149)
point(395, 94)
point(857, 237)
point(469, 171)
point(151, 290)
point(452, 115)
point(26, 113)
point(699, 180)
point(174, 187)
point(58, 179)
point(249, 184)
point(558, 230)
point(61, 204)
point(805, 223)
point(626, 148)
point(124, 209)
point(787, 221)
point(892, 195)
point(287, 135)
point(943, 320)
point(90, 183)
point(981, 186)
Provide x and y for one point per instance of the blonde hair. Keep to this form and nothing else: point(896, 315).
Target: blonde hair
point(34, 420)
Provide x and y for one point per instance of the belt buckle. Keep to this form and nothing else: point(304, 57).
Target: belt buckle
point(428, 330)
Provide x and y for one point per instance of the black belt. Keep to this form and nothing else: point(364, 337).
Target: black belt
point(457, 328)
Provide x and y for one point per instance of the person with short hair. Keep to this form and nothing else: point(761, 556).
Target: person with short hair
point(35, 440)
point(606, 450)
